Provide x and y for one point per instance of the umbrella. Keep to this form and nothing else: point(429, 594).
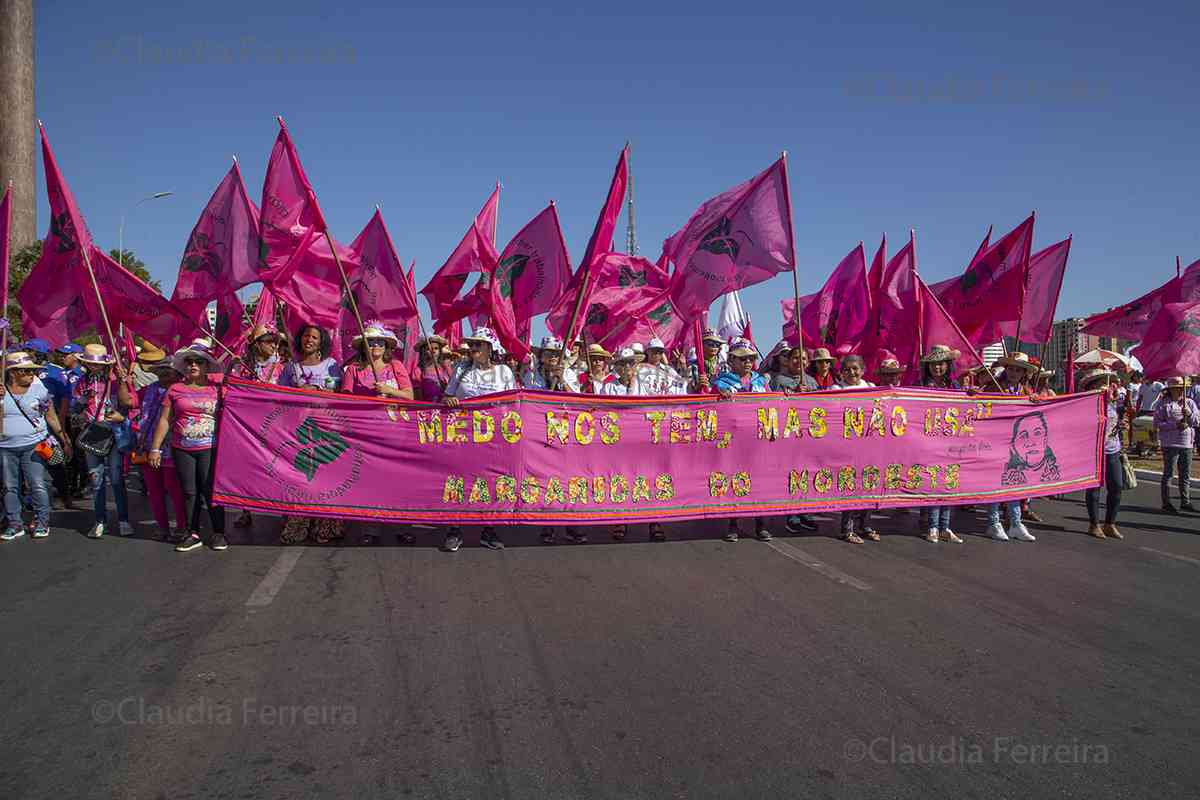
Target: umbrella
point(1106, 357)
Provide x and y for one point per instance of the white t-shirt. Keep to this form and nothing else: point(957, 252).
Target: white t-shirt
point(615, 387)
point(470, 381)
point(1148, 396)
point(534, 379)
point(860, 385)
point(660, 380)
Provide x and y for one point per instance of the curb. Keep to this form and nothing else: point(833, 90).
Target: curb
point(1157, 476)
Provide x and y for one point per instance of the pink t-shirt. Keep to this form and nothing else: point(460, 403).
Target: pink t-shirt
point(361, 380)
point(193, 416)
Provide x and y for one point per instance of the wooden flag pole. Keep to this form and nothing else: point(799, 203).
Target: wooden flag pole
point(87, 262)
point(795, 276)
point(353, 306)
point(4, 334)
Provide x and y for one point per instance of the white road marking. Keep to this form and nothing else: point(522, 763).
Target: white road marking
point(816, 564)
point(1195, 561)
point(273, 581)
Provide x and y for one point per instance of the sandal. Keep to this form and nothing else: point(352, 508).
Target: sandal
point(873, 535)
point(657, 534)
point(852, 538)
point(618, 533)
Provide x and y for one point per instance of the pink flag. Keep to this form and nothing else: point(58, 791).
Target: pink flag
point(265, 308)
point(1046, 270)
point(992, 289)
point(1133, 320)
point(619, 283)
point(896, 311)
point(656, 318)
point(381, 290)
point(790, 330)
point(938, 327)
point(127, 343)
point(838, 317)
point(468, 257)
point(5, 236)
point(230, 328)
point(1171, 344)
point(878, 263)
point(221, 255)
point(131, 302)
point(290, 217)
point(314, 291)
point(736, 239)
point(453, 334)
point(983, 246)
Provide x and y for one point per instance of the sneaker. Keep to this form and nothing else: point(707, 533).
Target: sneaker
point(762, 534)
point(1110, 530)
point(1169, 509)
point(177, 535)
point(96, 532)
point(370, 539)
point(219, 542)
point(189, 542)
point(489, 539)
point(12, 533)
point(799, 522)
point(1020, 533)
point(453, 540)
point(124, 528)
point(996, 531)
point(574, 536)
point(733, 534)
point(950, 536)
point(852, 537)
point(41, 531)
point(657, 534)
point(1094, 530)
point(931, 535)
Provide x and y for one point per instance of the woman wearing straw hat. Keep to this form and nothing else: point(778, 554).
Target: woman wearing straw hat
point(374, 354)
point(161, 481)
point(1176, 417)
point(263, 352)
point(431, 375)
point(1014, 380)
point(1114, 473)
point(597, 375)
point(937, 367)
point(791, 372)
point(549, 372)
point(888, 372)
point(478, 377)
point(853, 368)
point(741, 378)
point(822, 366)
point(97, 401)
point(29, 417)
point(189, 415)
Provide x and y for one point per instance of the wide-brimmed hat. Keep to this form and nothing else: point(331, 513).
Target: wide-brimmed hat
point(655, 344)
point(597, 351)
point(742, 347)
point(192, 351)
point(820, 354)
point(1092, 375)
point(96, 354)
point(151, 354)
point(889, 366)
point(264, 331)
point(551, 343)
point(1017, 359)
point(626, 355)
point(376, 330)
point(433, 339)
point(711, 336)
point(940, 352)
point(20, 360)
point(1176, 382)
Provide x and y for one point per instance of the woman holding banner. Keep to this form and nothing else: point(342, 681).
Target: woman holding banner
point(478, 377)
point(937, 366)
point(1013, 380)
point(1114, 471)
point(853, 369)
point(262, 362)
point(741, 377)
point(189, 414)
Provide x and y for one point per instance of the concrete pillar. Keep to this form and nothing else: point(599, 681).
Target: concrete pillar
point(18, 133)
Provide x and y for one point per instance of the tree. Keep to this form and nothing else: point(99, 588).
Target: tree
point(22, 262)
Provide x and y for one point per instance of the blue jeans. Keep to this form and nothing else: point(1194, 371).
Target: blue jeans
point(104, 472)
point(1014, 512)
point(17, 460)
point(939, 518)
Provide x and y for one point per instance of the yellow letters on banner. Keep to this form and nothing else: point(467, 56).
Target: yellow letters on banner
point(899, 421)
point(599, 489)
point(846, 479)
point(798, 482)
point(852, 422)
point(483, 427)
point(641, 489)
point(480, 492)
point(681, 427)
point(429, 426)
point(506, 489)
point(823, 480)
point(610, 428)
point(768, 423)
point(618, 488)
point(896, 477)
point(510, 427)
point(577, 491)
point(557, 427)
point(793, 426)
point(456, 427)
point(531, 490)
point(585, 428)
point(706, 425)
point(717, 484)
point(453, 491)
point(816, 420)
point(741, 483)
point(664, 488)
point(656, 419)
point(554, 491)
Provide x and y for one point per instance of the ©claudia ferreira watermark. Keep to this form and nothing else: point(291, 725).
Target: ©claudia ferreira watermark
point(246, 713)
point(952, 89)
point(958, 751)
point(142, 52)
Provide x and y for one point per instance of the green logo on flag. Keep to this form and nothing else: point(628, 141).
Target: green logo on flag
point(719, 240)
point(1190, 325)
point(62, 228)
point(662, 315)
point(597, 314)
point(507, 272)
point(629, 277)
point(318, 447)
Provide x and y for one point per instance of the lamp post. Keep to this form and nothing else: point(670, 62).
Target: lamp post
point(121, 231)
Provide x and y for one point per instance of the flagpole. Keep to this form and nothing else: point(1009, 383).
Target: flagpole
point(87, 262)
point(5, 248)
point(912, 240)
point(353, 305)
point(791, 229)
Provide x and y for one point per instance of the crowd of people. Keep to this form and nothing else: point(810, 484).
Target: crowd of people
point(77, 421)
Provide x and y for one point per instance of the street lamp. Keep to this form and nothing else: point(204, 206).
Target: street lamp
point(121, 231)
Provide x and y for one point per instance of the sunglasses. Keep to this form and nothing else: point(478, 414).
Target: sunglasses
point(194, 362)
point(376, 342)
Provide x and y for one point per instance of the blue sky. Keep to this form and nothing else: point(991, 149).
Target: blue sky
point(895, 116)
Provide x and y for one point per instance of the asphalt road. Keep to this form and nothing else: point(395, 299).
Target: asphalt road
point(694, 668)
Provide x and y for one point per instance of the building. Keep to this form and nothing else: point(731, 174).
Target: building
point(1068, 332)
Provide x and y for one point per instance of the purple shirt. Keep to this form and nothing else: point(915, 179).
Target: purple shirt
point(1167, 415)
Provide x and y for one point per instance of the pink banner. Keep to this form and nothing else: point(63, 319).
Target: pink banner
point(526, 457)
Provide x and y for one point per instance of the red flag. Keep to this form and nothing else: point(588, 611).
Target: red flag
point(1171, 345)
point(1046, 270)
point(838, 317)
point(290, 217)
point(736, 239)
point(381, 290)
point(1133, 320)
point(618, 283)
point(468, 257)
point(222, 252)
point(992, 289)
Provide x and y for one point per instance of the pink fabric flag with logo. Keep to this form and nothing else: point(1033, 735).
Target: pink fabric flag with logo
point(222, 252)
point(468, 257)
point(1046, 270)
point(131, 302)
point(1171, 344)
point(791, 331)
point(52, 296)
point(618, 283)
point(1133, 319)
point(381, 290)
point(656, 317)
point(839, 315)
point(896, 311)
point(230, 327)
point(314, 291)
point(737, 239)
point(289, 216)
point(992, 289)
point(878, 264)
point(938, 327)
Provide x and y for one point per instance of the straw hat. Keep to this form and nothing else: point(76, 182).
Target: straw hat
point(151, 354)
point(192, 351)
point(626, 355)
point(821, 354)
point(485, 335)
point(889, 366)
point(1092, 375)
point(711, 336)
point(96, 354)
point(941, 352)
point(432, 339)
point(376, 330)
point(20, 360)
point(1176, 382)
point(742, 348)
point(597, 351)
point(1018, 359)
